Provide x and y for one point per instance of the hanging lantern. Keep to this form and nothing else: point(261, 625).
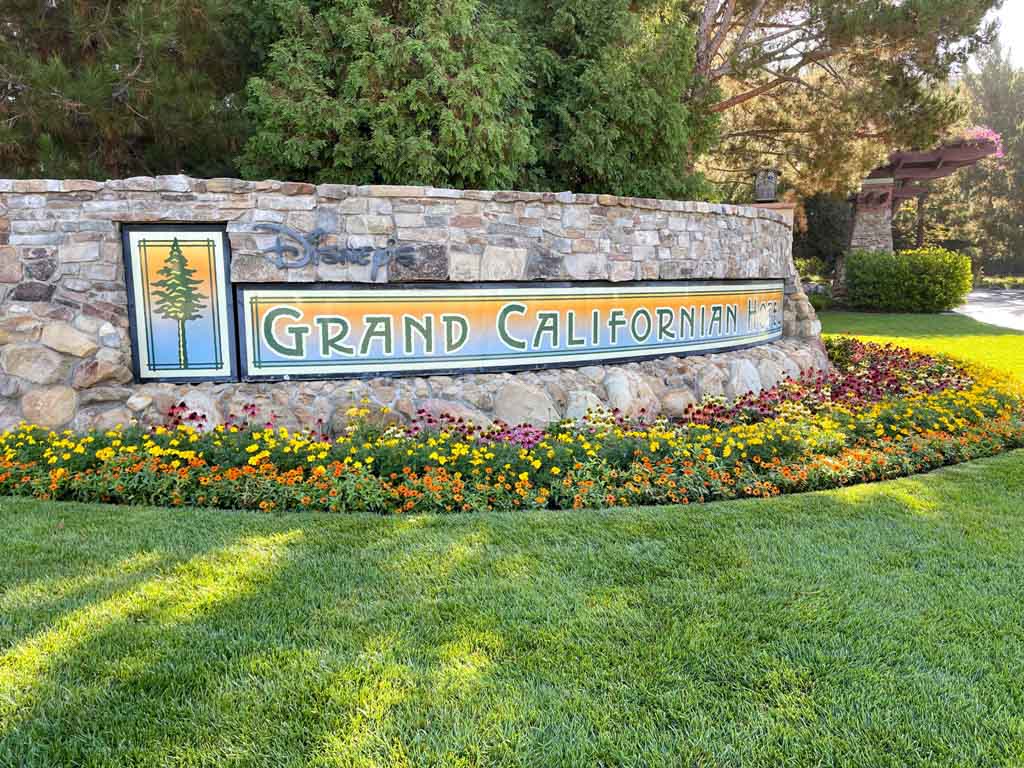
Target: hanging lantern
point(766, 185)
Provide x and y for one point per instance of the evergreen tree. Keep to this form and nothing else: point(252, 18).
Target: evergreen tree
point(177, 297)
point(374, 91)
point(112, 88)
point(612, 97)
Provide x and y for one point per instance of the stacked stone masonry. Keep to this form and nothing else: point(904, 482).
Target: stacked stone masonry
point(872, 228)
point(64, 343)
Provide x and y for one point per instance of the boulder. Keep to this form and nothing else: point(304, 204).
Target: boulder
point(631, 394)
point(36, 364)
point(14, 330)
point(104, 395)
point(519, 403)
point(112, 418)
point(675, 402)
point(436, 408)
point(770, 373)
point(49, 407)
point(743, 378)
point(710, 381)
point(139, 402)
point(93, 372)
point(109, 335)
point(579, 402)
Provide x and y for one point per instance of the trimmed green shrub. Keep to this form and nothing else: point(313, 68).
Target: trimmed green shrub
point(820, 301)
point(922, 280)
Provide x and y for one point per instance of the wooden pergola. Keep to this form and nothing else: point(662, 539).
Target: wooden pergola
point(912, 171)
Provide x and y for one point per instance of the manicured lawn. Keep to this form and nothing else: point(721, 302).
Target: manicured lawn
point(878, 626)
point(953, 334)
point(881, 625)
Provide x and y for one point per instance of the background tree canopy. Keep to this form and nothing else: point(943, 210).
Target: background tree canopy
point(121, 87)
point(619, 96)
point(980, 209)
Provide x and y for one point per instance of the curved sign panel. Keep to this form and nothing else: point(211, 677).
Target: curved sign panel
point(324, 331)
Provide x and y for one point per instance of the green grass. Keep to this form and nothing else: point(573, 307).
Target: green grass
point(953, 334)
point(881, 625)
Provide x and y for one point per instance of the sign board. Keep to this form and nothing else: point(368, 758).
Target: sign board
point(189, 324)
point(326, 330)
point(180, 304)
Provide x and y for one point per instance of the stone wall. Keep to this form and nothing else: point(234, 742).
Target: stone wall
point(64, 342)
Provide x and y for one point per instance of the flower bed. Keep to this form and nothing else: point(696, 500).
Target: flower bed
point(884, 412)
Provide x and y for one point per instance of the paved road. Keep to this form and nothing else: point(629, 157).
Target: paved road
point(1005, 308)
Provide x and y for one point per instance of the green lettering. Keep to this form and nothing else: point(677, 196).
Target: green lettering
point(616, 320)
point(571, 338)
point(665, 320)
point(686, 324)
point(424, 327)
point(298, 332)
point(644, 315)
point(376, 327)
point(456, 332)
point(716, 320)
point(507, 338)
point(332, 343)
point(548, 324)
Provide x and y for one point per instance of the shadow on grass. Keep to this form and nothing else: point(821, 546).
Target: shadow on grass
point(879, 625)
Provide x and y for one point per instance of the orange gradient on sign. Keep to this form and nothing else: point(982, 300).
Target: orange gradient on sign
point(344, 326)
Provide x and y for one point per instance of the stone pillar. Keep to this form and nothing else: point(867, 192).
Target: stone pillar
point(872, 227)
point(872, 216)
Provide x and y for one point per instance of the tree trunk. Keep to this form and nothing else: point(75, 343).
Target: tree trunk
point(182, 354)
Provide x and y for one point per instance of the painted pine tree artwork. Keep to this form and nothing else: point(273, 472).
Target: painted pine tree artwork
point(177, 296)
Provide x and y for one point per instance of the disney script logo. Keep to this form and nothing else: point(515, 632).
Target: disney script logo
point(294, 249)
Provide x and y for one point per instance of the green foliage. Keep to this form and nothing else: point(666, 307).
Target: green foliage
point(579, 95)
point(815, 129)
point(823, 232)
point(1006, 282)
point(612, 97)
point(980, 210)
point(366, 91)
point(820, 301)
point(922, 280)
point(107, 89)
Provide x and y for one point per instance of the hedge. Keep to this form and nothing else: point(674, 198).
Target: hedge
point(922, 280)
